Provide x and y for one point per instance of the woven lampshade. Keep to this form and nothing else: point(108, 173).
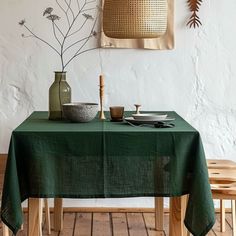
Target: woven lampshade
point(130, 19)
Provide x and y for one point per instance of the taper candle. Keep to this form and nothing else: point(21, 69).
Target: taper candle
point(101, 90)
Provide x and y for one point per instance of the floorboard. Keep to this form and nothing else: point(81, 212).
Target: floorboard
point(117, 224)
point(120, 224)
point(83, 226)
point(136, 224)
point(101, 224)
point(228, 230)
point(150, 225)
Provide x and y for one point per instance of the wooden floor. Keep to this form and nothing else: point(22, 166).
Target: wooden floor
point(117, 224)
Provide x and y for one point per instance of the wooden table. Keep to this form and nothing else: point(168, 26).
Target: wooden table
point(59, 159)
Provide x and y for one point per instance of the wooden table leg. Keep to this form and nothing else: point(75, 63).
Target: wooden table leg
point(5, 230)
point(159, 213)
point(47, 215)
point(58, 214)
point(177, 214)
point(34, 219)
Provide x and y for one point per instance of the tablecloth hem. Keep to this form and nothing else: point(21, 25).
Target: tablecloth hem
point(13, 229)
point(122, 195)
point(206, 230)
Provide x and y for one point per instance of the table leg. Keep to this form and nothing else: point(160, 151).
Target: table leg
point(177, 214)
point(58, 214)
point(159, 213)
point(5, 230)
point(34, 219)
point(47, 215)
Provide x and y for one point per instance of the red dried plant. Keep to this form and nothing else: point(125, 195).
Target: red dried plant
point(194, 20)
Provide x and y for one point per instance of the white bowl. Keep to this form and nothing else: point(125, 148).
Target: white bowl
point(80, 112)
point(149, 116)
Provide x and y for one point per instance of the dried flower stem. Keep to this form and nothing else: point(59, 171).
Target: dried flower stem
point(78, 51)
point(42, 40)
point(79, 28)
point(54, 33)
point(67, 17)
point(87, 50)
point(78, 4)
point(69, 8)
point(89, 9)
point(79, 41)
point(91, 1)
point(66, 35)
point(57, 32)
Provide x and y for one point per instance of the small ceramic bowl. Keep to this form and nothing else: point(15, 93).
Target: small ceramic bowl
point(80, 112)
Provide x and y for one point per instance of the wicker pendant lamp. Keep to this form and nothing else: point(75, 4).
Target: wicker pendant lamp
point(129, 19)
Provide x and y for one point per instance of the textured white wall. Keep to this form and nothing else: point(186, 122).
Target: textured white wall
point(196, 79)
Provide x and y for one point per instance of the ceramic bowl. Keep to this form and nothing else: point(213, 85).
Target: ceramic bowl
point(80, 112)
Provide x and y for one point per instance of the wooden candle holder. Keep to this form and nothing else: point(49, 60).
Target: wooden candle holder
point(101, 91)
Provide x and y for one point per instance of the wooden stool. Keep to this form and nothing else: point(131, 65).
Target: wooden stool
point(220, 164)
point(222, 175)
point(226, 191)
point(222, 172)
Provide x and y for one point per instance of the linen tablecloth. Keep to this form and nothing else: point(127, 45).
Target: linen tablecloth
point(103, 159)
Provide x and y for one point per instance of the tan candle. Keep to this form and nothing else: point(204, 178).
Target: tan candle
point(101, 85)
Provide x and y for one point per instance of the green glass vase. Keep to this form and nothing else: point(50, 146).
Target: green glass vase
point(59, 94)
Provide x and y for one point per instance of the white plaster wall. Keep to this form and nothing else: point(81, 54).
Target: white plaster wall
point(196, 79)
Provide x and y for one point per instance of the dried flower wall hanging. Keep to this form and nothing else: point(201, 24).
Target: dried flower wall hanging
point(194, 20)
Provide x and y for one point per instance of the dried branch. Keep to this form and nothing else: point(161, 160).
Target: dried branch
point(66, 35)
point(59, 29)
point(79, 41)
point(87, 50)
point(67, 17)
point(54, 33)
point(48, 14)
point(78, 4)
point(69, 8)
point(78, 51)
point(57, 32)
point(91, 1)
point(42, 40)
point(78, 29)
point(194, 19)
point(89, 9)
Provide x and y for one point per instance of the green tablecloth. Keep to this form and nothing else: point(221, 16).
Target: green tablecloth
point(106, 159)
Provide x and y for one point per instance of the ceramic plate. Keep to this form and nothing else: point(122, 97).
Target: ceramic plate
point(149, 116)
point(138, 122)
